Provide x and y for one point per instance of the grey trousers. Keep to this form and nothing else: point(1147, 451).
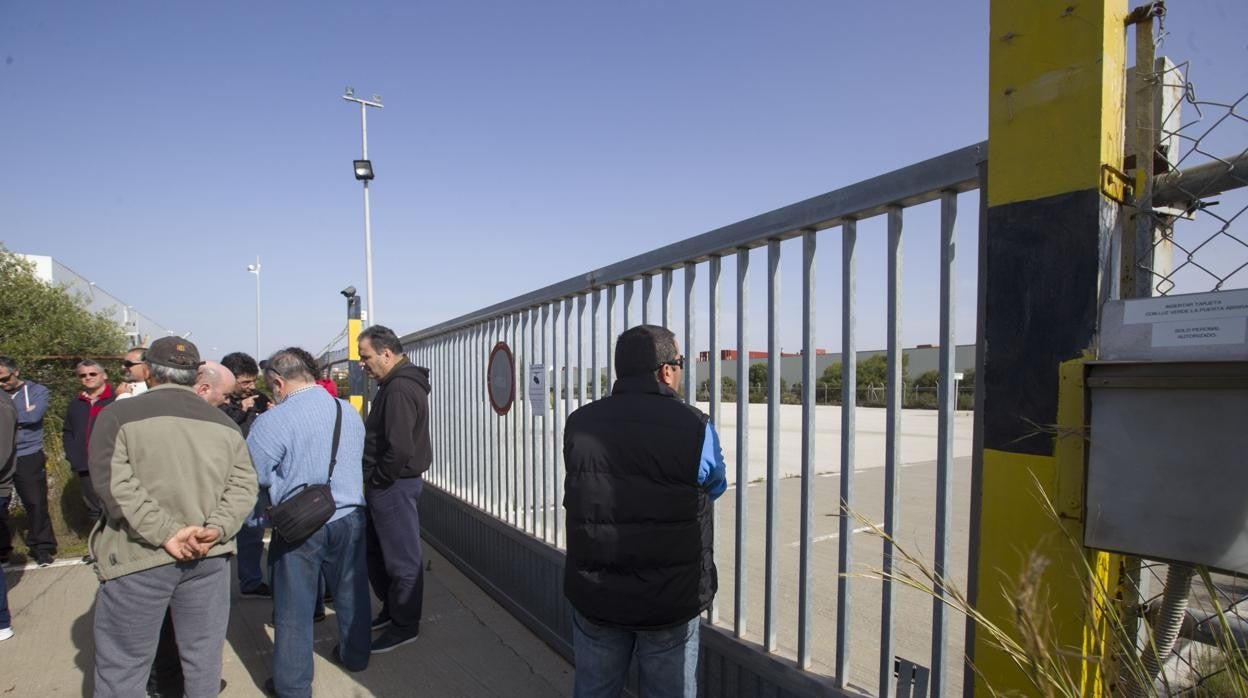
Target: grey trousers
point(128, 614)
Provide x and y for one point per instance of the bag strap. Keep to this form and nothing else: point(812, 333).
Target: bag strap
point(333, 452)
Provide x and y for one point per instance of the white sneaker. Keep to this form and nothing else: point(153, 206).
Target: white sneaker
point(5, 633)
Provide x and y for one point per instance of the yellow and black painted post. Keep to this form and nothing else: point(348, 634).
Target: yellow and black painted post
point(355, 374)
point(1055, 144)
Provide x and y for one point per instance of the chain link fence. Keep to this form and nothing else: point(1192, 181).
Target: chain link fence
point(1200, 191)
point(1196, 203)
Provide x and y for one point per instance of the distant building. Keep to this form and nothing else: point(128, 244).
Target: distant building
point(922, 358)
point(140, 330)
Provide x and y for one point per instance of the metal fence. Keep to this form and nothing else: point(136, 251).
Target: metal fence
point(787, 601)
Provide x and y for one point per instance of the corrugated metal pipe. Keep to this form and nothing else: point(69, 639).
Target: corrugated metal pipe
point(1165, 628)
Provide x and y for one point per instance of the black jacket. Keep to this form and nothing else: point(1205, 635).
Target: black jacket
point(396, 444)
point(243, 418)
point(78, 425)
point(640, 527)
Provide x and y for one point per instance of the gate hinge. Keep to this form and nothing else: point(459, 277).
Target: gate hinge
point(1115, 184)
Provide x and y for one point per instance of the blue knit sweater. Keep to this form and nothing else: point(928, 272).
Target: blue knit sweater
point(290, 445)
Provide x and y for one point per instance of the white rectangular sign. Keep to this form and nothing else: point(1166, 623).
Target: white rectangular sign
point(1192, 307)
point(536, 389)
point(1200, 332)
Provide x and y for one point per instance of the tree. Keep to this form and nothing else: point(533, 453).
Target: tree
point(758, 373)
point(929, 379)
point(46, 329)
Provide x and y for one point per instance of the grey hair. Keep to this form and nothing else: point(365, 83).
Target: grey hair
point(88, 363)
point(177, 376)
point(289, 365)
point(8, 363)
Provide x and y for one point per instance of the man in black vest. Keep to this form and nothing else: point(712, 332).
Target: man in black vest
point(643, 469)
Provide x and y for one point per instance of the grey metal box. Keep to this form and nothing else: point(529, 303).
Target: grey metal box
point(1168, 461)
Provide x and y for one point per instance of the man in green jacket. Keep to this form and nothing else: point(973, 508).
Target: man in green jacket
point(175, 480)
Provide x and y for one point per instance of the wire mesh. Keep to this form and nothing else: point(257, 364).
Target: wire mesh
point(1200, 202)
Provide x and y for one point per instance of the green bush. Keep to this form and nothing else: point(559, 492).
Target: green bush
point(47, 330)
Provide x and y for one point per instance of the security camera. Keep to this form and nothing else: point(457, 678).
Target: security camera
point(348, 292)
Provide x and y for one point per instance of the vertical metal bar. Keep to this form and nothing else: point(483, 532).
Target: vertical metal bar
point(974, 537)
point(849, 406)
point(948, 399)
point(491, 418)
point(610, 334)
point(691, 363)
point(773, 444)
point(566, 399)
point(543, 360)
point(514, 421)
point(628, 305)
point(461, 431)
point(474, 418)
point(580, 350)
point(808, 447)
point(666, 301)
point(714, 384)
point(647, 288)
point(743, 438)
point(892, 447)
point(552, 435)
point(538, 349)
point(526, 419)
point(593, 341)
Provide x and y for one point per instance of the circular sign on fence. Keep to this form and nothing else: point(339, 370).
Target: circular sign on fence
point(500, 378)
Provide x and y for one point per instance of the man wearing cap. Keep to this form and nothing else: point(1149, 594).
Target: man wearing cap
point(175, 482)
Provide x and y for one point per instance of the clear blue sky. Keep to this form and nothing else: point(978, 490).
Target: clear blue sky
point(158, 148)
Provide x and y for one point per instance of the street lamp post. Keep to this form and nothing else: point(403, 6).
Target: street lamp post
point(364, 173)
point(255, 269)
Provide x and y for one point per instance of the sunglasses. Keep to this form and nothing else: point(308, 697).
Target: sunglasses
point(89, 374)
point(5, 379)
point(131, 364)
point(678, 363)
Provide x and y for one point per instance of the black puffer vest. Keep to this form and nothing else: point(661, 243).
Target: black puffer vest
point(640, 528)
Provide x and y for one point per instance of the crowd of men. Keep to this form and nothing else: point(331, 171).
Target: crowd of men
point(181, 479)
point(178, 464)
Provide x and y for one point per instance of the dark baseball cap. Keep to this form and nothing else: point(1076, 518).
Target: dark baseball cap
point(173, 352)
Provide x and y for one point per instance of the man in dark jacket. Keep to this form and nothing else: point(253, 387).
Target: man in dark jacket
point(244, 404)
point(397, 452)
point(643, 469)
point(79, 419)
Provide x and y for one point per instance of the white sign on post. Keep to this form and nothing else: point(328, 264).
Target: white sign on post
point(537, 389)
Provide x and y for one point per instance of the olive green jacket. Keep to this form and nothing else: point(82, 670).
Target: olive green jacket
point(161, 461)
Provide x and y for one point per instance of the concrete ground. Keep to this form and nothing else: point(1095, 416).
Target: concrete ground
point(469, 645)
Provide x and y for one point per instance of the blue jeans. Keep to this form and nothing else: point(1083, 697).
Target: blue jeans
point(250, 546)
point(667, 659)
point(4, 602)
point(337, 552)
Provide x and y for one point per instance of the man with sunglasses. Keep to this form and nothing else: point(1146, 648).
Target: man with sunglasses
point(134, 374)
point(30, 477)
point(643, 469)
point(79, 418)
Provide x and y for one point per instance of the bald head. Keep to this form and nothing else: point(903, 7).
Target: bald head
point(214, 383)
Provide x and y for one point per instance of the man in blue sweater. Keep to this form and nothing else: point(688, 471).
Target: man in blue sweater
point(290, 446)
point(30, 476)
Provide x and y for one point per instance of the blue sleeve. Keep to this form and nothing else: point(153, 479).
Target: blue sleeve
point(32, 412)
point(262, 450)
point(712, 473)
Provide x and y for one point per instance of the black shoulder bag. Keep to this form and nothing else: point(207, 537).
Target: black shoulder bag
point(305, 509)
